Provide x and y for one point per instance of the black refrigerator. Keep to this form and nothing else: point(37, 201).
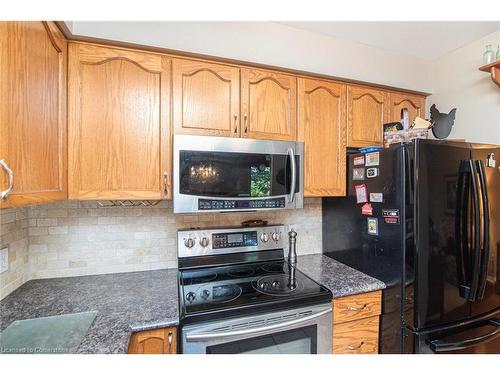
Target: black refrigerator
point(424, 218)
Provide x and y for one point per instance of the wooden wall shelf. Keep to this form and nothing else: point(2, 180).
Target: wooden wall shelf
point(494, 69)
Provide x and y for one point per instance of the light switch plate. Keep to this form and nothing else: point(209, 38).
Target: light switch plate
point(4, 260)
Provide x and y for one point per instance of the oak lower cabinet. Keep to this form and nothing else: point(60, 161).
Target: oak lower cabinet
point(356, 323)
point(367, 111)
point(118, 124)
point(322, 128)
point(268, 105)
point(412, 105)
point(33, 74)
point(206, 98)
point(154, 341)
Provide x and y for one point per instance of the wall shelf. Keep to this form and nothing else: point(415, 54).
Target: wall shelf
point(494, 69)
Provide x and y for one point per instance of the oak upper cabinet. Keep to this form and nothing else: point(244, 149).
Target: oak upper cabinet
point(33, 76)
point(119, 124)
point(367, 111)
point(414, 105)
point(268, 105)
point(154, 341)
point(322, 128)
point(206, 98)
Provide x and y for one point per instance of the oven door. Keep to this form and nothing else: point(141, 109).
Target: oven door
point(226, 174)
point(299, 331)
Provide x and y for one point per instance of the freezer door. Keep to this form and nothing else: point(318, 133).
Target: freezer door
point(487, 159)
point(439, 296)
point(480, 336)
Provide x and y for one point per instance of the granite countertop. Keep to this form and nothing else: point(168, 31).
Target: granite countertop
point(136, 301)
point(126, 302)
point(342, 280)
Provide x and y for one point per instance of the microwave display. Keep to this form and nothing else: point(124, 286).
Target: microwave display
point(231, 174)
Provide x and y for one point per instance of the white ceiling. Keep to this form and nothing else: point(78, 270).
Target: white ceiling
point(425, 40)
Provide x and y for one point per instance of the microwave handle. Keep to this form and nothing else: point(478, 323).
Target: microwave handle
point(202, 336)
point(293, 168)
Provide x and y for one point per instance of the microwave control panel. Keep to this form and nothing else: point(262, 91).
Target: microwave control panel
point(239, 204)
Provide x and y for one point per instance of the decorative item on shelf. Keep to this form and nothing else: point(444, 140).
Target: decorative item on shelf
point(442, 122)
point(394, 133)
point(488, 55)
point(127, 203)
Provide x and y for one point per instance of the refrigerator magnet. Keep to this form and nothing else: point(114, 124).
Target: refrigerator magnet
point(361, 193)
point(391, 216)
point(376, 197)
point(367, 209)
point(372, 159)
point(359, 160)
point(372, 223)
point(358, 174)
point(371, 172)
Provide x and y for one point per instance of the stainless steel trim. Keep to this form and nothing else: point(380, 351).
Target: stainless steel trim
point(189, 204)
point(4, 194)
point(293, 167)
point(208, 335)
point(198, 250)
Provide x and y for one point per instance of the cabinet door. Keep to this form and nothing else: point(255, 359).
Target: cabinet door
point(206, 98)
point(33, 74)
point(367, 113)
point(322, 128)
point(155, 341)
point(268, 105)
point(119, 124)
point(414, 104)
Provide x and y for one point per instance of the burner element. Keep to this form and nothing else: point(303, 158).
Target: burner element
point(200, 279)
point(273, 267)
point(277, 285)
point(241, 273)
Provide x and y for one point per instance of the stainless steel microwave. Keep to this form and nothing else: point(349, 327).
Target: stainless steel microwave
point(217, 174)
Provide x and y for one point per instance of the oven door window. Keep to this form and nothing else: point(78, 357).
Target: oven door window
point(296, 341)
point(233, 175)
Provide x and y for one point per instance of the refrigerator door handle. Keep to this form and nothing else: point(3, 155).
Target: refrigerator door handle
point(476, 245)
point(440, 345)
point(485, 251)
point(461, 230)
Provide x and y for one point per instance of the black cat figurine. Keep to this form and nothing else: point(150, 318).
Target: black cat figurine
point(442, 122)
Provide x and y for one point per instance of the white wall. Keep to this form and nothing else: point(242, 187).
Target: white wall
point(273, 44)
point(457, 82)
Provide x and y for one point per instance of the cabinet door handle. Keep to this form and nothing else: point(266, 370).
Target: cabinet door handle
point(4, 194)
point(170, 337)
point(352, 347)
point(165, 182)
point(235, 124)
point(351, 308)
point(245, 123)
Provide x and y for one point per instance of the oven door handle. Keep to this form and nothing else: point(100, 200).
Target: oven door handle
point(203, 336)
point(293, 168)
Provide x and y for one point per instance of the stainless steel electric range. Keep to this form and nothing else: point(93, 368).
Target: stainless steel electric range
point(239, 295)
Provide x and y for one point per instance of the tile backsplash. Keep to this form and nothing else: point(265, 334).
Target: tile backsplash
point(74, 238)
point(14, 236)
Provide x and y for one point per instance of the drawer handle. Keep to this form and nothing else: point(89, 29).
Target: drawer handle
point(235, 124)
point(165, 182)
point(350, 308)
point(245, 122)
point(170, 337)
point(352, 347)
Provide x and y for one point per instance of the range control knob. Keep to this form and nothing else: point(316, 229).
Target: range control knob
point(190, 297)
point(205, 294)
point(276, 236)
point(264, 237)
point(204, 241)
point(189, 242)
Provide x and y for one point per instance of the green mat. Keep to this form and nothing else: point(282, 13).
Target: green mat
point(58, 334)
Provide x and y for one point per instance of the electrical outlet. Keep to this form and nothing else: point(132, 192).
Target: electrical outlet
point(4, 260)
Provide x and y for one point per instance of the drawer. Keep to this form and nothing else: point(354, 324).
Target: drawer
point(356, 337)
point(358, 306)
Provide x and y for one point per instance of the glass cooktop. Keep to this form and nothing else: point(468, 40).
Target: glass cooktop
point(245, 286)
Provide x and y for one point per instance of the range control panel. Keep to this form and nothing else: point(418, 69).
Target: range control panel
point(212, 241)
